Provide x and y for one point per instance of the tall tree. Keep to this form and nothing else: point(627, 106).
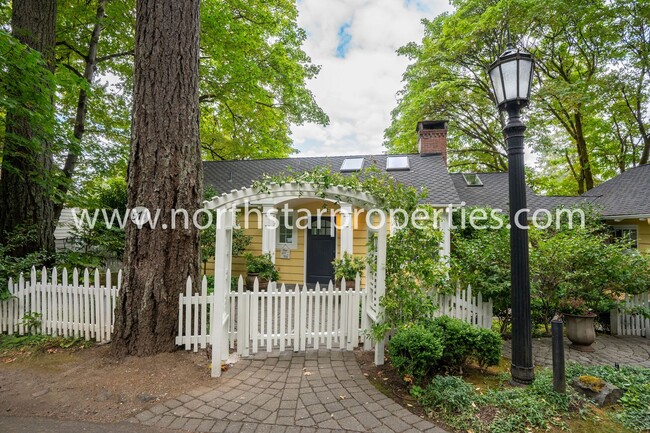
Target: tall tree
point(165, 173)
point(26, 181)
point(588, 118)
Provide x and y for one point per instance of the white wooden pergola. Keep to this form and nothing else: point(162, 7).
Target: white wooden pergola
point(225, 206)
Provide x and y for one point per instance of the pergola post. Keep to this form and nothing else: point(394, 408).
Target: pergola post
point(347, 229)
point(269, 230)
point(222, 273)
point(381, 288)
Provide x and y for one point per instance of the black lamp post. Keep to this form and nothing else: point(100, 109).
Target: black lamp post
point(511, 76)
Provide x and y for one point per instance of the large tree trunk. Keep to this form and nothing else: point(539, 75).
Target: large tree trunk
point(26, 181)
point(165, 173)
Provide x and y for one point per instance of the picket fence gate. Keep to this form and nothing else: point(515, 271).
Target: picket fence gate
point(79, 308)
point(624, 323)
point(282, 316)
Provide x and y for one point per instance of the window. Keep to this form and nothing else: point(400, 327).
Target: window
point(472, 179)
point(321, 227)
point(287, 233)
point(352, 164)
point(397, 163)
point(627, 233)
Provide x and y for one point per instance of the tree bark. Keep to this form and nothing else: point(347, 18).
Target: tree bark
point(26, 186)
point(165, 173)
point(586, 176)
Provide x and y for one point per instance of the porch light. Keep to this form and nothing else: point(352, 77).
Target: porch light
point(511, 76)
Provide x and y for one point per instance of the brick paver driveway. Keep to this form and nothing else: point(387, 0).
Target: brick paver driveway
point(608, 350)
point(317, 391)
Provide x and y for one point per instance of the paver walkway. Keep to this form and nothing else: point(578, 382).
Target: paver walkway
point(315, 391)
point(609, 350)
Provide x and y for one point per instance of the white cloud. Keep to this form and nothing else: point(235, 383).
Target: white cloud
point(357, 91)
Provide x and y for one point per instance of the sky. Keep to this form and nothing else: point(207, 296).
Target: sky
point(355, 41)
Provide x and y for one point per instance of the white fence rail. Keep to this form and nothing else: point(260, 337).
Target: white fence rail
point(81, 308)
point(623, 323)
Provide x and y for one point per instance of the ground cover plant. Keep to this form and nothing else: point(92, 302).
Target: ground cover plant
point(500, 408)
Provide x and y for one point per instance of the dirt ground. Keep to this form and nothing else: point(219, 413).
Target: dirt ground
point(87, 384)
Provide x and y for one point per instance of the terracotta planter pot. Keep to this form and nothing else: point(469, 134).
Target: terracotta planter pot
point(580, 330)
point(250, 282)
point(349, 284)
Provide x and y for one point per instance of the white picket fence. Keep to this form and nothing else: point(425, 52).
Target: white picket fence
point(298, 317)
point(622, 323)
point(466, 307)
point(281, 317)
point(79, 308)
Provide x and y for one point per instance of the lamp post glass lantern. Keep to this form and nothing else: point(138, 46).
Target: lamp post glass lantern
point(511, 76)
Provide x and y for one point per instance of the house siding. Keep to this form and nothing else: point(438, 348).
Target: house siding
point(643, 232)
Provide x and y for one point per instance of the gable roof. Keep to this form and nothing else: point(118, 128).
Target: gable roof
point(627, 194)
point(425, 171)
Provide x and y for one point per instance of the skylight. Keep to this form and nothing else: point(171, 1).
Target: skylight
point(472, 179)
point(397, 163)
point(352, 164)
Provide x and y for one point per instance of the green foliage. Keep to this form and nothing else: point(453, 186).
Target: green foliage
point(263, 266)
point(635, 381)
point(41, 343)
point(570, 268)
point(32, 321)
point(348, 267)
point(590, 98)
point(448, 395)
point(415, 352)
point(12, 266)
point(464, 342)
point(253, 79)
point(103, 242)
point(503, 409)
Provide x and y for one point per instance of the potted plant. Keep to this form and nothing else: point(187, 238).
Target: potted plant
point(262, 268)
point(580, 324)
point(348, 267)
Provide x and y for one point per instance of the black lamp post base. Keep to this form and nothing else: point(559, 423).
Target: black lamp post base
point(521, 376)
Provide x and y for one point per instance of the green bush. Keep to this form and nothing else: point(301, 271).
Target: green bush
point(415, 351)
point(463, 342)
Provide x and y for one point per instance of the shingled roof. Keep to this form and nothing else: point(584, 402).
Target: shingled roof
point(429, 172)
point(628, 194)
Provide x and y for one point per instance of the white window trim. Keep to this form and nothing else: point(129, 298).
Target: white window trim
point(294, 237)
point(629, 227)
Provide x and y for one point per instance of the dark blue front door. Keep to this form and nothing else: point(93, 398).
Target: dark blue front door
point(321, 251)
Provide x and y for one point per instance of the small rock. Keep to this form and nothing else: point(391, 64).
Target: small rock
point(596, 389)
point(40, 393)
point(103, 395)
point(144, 398)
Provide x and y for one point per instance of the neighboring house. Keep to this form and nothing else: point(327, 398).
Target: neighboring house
point(624, 202)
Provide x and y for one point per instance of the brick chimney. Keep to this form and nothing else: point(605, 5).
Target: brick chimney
point(432, 138)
